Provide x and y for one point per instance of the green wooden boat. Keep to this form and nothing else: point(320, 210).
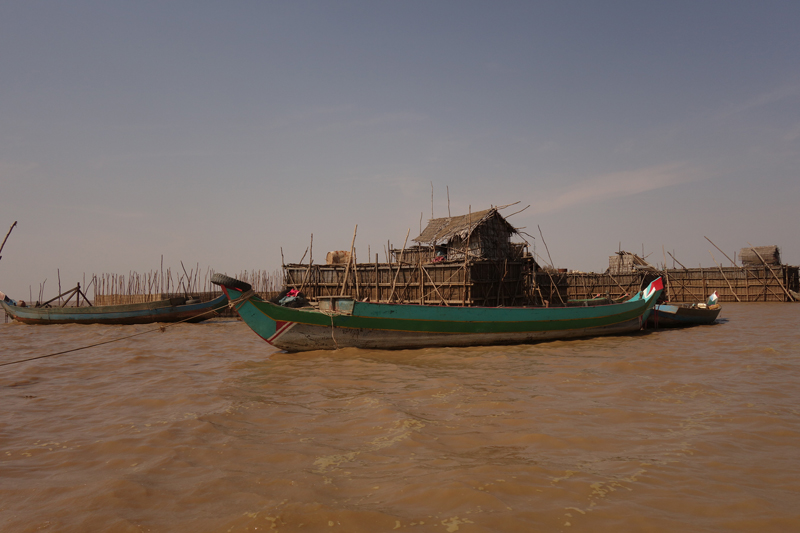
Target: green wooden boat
point(341, 322)
point(170, 310)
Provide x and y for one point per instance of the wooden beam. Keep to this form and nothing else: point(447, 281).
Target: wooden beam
point(349, 260)
point(399, 266)
point(723, 275)
point(7, 234)
point(791, 298)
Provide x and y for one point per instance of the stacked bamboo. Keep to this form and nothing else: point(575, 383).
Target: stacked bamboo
point(771, 255)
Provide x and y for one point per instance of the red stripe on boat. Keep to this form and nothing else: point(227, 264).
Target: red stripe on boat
point(280, 327)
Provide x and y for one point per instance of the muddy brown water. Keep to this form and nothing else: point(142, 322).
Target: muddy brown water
point(206, 428)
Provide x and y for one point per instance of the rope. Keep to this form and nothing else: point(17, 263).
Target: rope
point(243, 298)
point(159, 328)
point(331, 314)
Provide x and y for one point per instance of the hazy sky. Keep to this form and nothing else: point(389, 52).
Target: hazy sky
point(218, 132)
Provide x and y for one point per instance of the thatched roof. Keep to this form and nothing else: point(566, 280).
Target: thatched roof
point(441, 230)
point(623, 261)
point(770, 254)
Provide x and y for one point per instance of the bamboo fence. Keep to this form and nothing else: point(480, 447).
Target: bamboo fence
point(744, 284)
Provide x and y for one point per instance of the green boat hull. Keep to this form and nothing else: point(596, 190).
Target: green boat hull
point(170, 310)
point(349, 323)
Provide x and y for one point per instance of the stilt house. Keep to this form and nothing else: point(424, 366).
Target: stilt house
point(466, 259)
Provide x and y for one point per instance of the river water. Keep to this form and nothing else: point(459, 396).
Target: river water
point(204, 427)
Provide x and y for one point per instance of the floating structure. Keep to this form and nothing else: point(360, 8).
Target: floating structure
point(627, 272)
point(418, 275)
point(466, 260)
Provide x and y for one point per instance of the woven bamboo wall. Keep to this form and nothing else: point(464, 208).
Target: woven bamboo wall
point(750, 284)
point(557, 287)
point(486, 283)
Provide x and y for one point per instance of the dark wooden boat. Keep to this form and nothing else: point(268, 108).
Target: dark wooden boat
point(170, 310)
point(341, 322)
point(667, 315)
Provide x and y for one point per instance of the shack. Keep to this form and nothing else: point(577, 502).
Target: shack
point(464, 260)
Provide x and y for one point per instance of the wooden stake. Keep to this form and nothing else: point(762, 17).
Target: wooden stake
point(7, 234)
point(718, 248)
point(791, 298)
point(349, 260)
point(435, 287)
point(552, 281)
point(466, 257)
point(673, 258)
point(355, 275)
point(666, 276)
point(723, 275)
point(399, 266)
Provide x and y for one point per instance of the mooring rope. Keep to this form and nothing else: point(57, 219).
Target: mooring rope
point(331, 314)
point(161, 328)
point(243, 298)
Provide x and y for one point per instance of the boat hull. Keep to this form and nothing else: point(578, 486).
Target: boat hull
point(400, 326)
point(679, 316)
point(298, 337)
point(142, 313)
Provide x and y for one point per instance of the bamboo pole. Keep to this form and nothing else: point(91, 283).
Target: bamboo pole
point(666, 276)
point(310, 262)
point(399, 266)
point(349, 260)
point(791, 298)
point(7, 234)
point(723, 253)
point(419, 265)
point(552, 281)
point(673, 258)
point(466, 251)
point(355, 275)
point(435, 287)
point(685, 289)
point(724, 277)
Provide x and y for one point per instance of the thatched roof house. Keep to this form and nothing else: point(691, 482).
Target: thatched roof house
point(486, 234)
point(624, 262)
